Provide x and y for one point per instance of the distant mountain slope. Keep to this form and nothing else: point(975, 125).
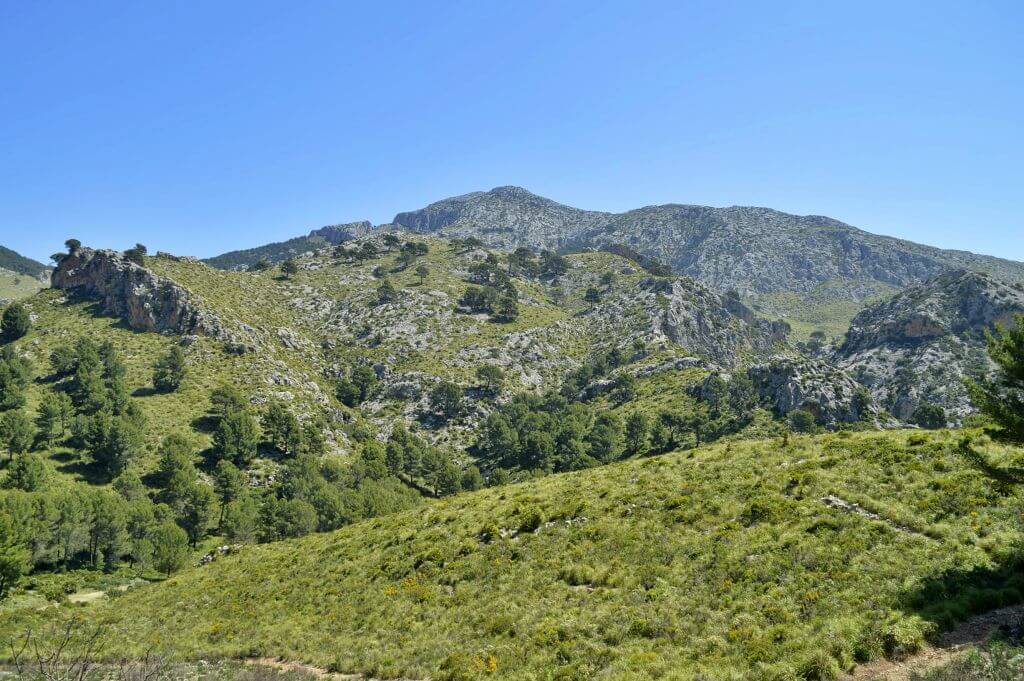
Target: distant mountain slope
point(282, 250)
point(15, 262)
point(919, 345)
point(20, 277)
point(753, 250)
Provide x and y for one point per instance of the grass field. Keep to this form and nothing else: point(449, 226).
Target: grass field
point(724, 561)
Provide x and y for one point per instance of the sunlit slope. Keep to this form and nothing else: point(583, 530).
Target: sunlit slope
point(732, 560)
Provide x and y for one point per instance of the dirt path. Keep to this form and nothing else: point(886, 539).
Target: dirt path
point(316, 672)
point(974, 631)
point(282, 665)
point(832, 501)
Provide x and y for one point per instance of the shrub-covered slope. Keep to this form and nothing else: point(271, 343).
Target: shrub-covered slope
point(767, 559)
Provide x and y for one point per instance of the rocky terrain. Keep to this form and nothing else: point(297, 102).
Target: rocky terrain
point(752, 250)
point(816, 272)
point(282, 250)
point(921, 344)
point(144, 300)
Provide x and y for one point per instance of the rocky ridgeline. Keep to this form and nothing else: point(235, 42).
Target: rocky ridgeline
point(752, 250)
point(144, 300)
point(922, 343)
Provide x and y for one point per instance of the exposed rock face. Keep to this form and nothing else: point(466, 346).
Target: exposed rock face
point(145, 301)
point(336, 234)
point(714, 326)
point(921, 344)
point(827, 392)
point(751, 250)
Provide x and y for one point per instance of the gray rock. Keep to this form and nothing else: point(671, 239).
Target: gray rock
point(922, 343)
point(827, 392)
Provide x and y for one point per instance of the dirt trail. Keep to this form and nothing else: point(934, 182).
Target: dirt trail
point(972, 632)
point(317, 672)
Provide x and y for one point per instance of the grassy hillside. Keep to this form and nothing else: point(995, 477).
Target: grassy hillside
point(730, 561)
point(15, 285)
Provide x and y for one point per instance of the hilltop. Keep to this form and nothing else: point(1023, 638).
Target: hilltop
point(301, 245)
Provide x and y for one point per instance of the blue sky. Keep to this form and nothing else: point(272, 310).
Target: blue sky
point(200, 127)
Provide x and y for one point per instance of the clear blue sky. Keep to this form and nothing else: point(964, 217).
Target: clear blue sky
point(199, 127)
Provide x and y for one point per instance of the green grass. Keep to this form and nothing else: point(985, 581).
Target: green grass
point(15, 286)
point(721, 561)
point(820, 309)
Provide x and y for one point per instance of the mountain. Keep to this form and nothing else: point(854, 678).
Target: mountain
point(752, 250)
point(814, 271)
point(919, 346)
point(280, 251)
point(20, 276)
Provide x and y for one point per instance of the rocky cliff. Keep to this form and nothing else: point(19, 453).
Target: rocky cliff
point(921, 344)
point(144, 300)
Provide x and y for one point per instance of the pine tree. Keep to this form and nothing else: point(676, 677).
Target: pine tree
point(170, 548)
point(15, 322)
point(170, 371)
point(1002, 398)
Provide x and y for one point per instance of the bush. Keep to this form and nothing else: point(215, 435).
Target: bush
point(930, 416)
point(801, 421)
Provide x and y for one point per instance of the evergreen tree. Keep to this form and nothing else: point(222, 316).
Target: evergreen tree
point(53, 416)
point(15, 557)
point(241, 519)
point(15, 322)
point(636, 433)
point(226, 399)
point(170, 371)
point(289, 267)
point(16, 432)
point(447, 399)
point(506, 310)
point(422, 271)
point(364, 378)
point(491, 378)
point(386, 292)
point(930, 416)
point(170, 548)
point(229, 484)
point(108, 528)
point(1001, 398)
point(281, 428)
point(801, 421)
point(236, 437)
point(198, 509)
point(27, 472)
